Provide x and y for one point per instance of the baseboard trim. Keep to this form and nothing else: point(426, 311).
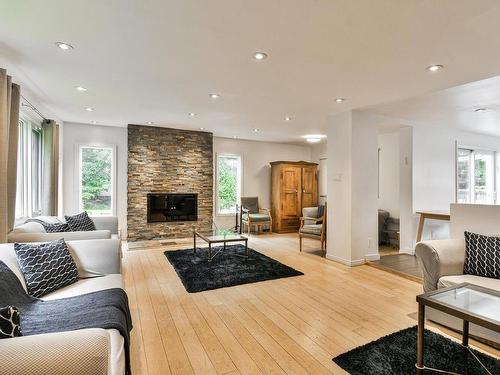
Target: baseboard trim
point(369, 257)
point(407, 251)
point(347, 262)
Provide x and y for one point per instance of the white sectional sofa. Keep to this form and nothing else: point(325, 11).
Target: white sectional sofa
point(442, 261)
point(87, 351)
point(107, 227)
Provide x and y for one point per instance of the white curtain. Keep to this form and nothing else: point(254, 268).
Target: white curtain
point(50, 167)
point(9, 129)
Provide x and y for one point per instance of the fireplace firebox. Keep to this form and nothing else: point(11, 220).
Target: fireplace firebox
point(169, 207)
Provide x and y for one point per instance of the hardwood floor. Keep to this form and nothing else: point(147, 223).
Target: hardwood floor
point(287, 326)
point(405, 265)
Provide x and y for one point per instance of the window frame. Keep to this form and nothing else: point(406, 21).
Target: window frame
point(240, 185)
point(496, 176)
point(78, 175)
point(28, 202)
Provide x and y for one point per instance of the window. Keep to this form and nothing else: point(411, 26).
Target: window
point(96, 179)
point(29, 169)
point(476, 176)
point(228, 183)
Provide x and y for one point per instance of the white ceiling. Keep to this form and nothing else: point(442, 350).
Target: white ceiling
point(452, 108)
point(158, 60)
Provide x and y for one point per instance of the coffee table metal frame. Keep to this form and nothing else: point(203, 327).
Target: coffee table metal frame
point(466, 315)
point(220, 239)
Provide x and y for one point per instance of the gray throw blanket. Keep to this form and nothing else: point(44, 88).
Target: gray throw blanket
point(103, 309)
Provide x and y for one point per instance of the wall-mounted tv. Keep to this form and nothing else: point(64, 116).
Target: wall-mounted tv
point(168, 207)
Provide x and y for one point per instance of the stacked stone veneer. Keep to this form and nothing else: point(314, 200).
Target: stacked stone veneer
point(162, 160)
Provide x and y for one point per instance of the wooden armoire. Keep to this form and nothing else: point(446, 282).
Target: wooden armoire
point(294, 186)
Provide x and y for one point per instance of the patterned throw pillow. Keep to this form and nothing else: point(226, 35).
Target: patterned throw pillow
point(80, 223)
point(482, 255)
point(9, 322)
point(46, 267)
point(57, 228)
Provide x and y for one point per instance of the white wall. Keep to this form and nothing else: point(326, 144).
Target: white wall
point(434, 170)
point(256, 157)
point(318, 155)
point(352, 187)
point(388, 144)
point(74, 134)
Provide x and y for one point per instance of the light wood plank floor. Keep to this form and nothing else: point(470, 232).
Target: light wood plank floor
point(288, 326)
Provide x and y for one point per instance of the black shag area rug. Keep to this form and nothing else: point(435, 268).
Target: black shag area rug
point(396, 354)
point(229, 268)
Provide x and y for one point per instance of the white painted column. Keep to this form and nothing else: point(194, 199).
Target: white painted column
point(406, 217)
point(352, 188)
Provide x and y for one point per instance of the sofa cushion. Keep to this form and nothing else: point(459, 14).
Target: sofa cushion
point(482, 255)
point(312, 229)
point(84, 286)
point(9, 322)
point(57, 228)
point(46, 267)
point(486, 282)
point(257, 217)
point(29, 227)
point(80, 222)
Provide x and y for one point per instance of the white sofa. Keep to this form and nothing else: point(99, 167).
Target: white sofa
point(87, 351)
point(106, 227)
point(442, 261)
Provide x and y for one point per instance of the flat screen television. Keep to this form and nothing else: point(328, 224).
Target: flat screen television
point(168, 207)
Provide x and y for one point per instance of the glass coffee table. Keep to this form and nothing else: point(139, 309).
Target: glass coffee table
point(219, 237)
point(471, 303)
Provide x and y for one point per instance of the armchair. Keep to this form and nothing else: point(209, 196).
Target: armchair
point(253, 214)
point(313, 225)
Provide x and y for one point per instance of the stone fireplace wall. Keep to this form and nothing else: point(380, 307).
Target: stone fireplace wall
point(163, 160)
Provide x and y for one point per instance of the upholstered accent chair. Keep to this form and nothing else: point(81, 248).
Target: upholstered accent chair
point(253, 215)
point(313, 225)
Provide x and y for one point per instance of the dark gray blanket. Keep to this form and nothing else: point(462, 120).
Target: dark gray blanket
point(103, 309)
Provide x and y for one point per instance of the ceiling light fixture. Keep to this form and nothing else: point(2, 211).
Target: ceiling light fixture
point(481, 110)
point(192, 114)
point(235, 137)
point(314, 138)
point(434, 68)
point(89, 109)
point(64, 46)
point(256, 130)
point(80, 88)
point(287, 118)
point(150, 122)
point(260, 56)
point(94, 122)
point(214, 96)
point(202, 128)
point(339, 100)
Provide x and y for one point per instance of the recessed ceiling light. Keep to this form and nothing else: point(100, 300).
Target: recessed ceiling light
point(94, 122)
point(234, 137)
point(64, 46)
point(287, 118)
point(339, 100)
point(192, 114)
point(80, 88)
point(256, 130)
point(314, 138)
point(260, 55)
point(89, 109)
point(434, 68)
point(150, 122)
point(202, 128)
point(214, 96)
point(481, 110)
